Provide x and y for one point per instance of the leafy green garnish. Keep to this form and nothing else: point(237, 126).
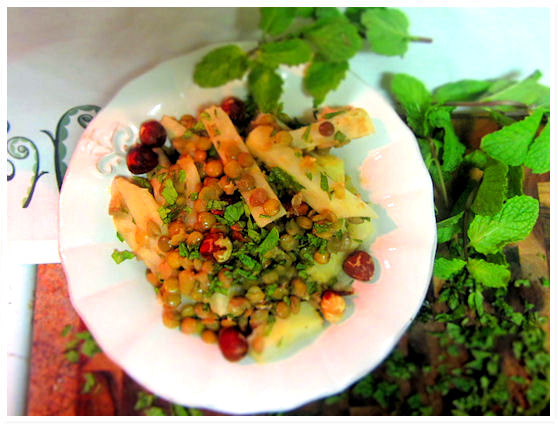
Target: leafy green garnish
point(449, 227)
point(511, 144)
point(169, 193)
point(284, 180)
point(120, 256)
point(288, 52)
point(324, 184)
point(489, 234)
point(335, 38)
point(119, 236)
point(538, 156)
point(387, 30)
point(322, 77)
point(276, 20)
point(489, 274)
point(492, 191)
point(89, 382)
point(220, 66)
point(270, 241)
point(143, 182)
point(447, 268)
point(265, 85)
point(234, 212)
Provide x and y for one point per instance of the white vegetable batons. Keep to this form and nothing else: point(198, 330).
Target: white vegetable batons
point(223, 135)
point(132, 209)
point(347, 124)
point(306, 172)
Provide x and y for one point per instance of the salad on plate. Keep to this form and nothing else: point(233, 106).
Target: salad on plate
point(248, 225)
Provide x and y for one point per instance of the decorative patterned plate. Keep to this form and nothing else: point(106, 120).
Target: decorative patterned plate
point(121, 311)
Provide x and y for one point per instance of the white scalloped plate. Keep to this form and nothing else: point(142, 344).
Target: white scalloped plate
point(120, 308)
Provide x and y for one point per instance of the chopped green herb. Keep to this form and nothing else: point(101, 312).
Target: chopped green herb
point(306, 134)
point(234, 212)
point(324, 185)
point(309, 175)
point(143, 182)
point(181, 176)
point(89, 383)
point(169, 193)
point(340, 137)
point(120, 256)
point(119, 236)
point(194, 196)
point(332, 114)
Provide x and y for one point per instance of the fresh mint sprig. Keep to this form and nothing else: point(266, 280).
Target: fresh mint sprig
point(322, 37)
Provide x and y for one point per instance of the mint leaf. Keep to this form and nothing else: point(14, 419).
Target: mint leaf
point(234, 212)
point(386, 30)
point(449, 227)
point(514, 222)
point(511, 144)
point(119, 236)
point(489, 274)
point(354, 14)
point(327, 12)
point(538, 156)
point(528, 91)
point(460, 90)
point(335, 38)
point(220, 66)
point(414, 98)
point(270, 241)
point(142, 182)
point(304, 12)
point(120, 256)
point(169, 193)
point(276, 20)
point(447, 268)
point(266, 87)
point(324, 184)
point(476, 302)
point(89, 382)
point(516, 175)
point(477, 158)
point(492, 190)
point(322, 77)
point(453, 149)
point(289, 52)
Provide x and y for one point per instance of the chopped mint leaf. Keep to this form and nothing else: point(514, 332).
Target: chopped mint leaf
point(234, 212)
point(66, 330)
point(271, 240)
point(333, 114)
point(72, 356)
point(169, 193)
point(194, 196)
point(120, 256)
point(181, 176)
point(309, 175)
point(89, 383)
point(340, 137)
point(119, 236)
point(143, 182)
point(216, 204)
point(284, 180)
point(324, 184)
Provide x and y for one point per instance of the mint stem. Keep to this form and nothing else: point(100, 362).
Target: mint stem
point(442, 185)
point(420, 39)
